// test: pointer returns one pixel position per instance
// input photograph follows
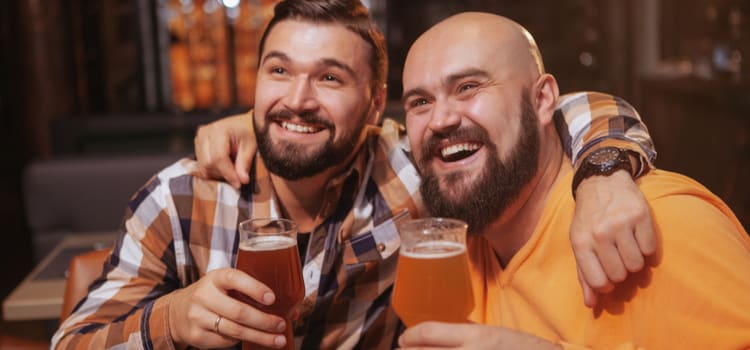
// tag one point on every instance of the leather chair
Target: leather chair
(9, 342)
(82, 271)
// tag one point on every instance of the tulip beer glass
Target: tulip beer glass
(432, 278)
(268, 252)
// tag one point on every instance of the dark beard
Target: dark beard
(482, 202)
(292, 161)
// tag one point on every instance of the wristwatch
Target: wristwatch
(603, 162)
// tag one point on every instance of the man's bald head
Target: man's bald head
(471, 32)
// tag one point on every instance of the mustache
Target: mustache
(307, 117)
(468, 133)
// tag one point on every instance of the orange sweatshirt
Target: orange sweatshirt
(694, 293)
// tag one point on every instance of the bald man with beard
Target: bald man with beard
(477, 80)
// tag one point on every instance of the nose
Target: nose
(445, 118)
(301, 96)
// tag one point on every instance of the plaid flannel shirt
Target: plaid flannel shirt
(180, 226)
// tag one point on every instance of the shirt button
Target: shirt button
(381, 247)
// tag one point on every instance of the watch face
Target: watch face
(604, 156)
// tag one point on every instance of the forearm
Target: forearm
(107, 325)
(130, 307)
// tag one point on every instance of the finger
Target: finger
(233, 279)
(645, 235)
(249, 317)
(213, 156)
(199, 142)
(229, 328)
(239, 282)
(589, 296)
(204, 335)
(611, 262)
(203, 143)
(241, 313)
(592, 270)
(436, 334)
(242, 161)
(225, 169)
(630, 253)
(221, 163)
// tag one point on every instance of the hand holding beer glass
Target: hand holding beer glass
(268, 252)
(432, 278)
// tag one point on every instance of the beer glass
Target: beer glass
(432, 277)
(268, 252)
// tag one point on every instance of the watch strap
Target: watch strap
(589, 168)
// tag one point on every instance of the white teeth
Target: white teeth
(297, 128)
(453, 149)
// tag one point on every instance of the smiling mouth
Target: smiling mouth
(458, 151)
(300, 128)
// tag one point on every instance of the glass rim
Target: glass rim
(429, 221)
(288, 226)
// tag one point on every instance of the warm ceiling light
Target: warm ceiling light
(231, 3)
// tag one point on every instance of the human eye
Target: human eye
(466, 87)
(331, 78)
(416, 105)
(418, 102)
(278, 70)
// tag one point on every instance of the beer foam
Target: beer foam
(434, 250)
(264, 243)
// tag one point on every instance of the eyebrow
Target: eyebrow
(471, 72)
(275, 54)
(331, 62)
(448, 81)
(328, 62)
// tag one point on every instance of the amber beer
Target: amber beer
(272, 258)
(432, 278)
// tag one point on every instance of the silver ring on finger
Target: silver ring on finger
(216, 325)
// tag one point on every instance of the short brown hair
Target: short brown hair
(349, 13)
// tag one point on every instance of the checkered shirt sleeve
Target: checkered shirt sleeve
(590, 120)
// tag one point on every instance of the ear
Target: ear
(378, 105)
(545, 97)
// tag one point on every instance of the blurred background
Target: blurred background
(97, 95)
